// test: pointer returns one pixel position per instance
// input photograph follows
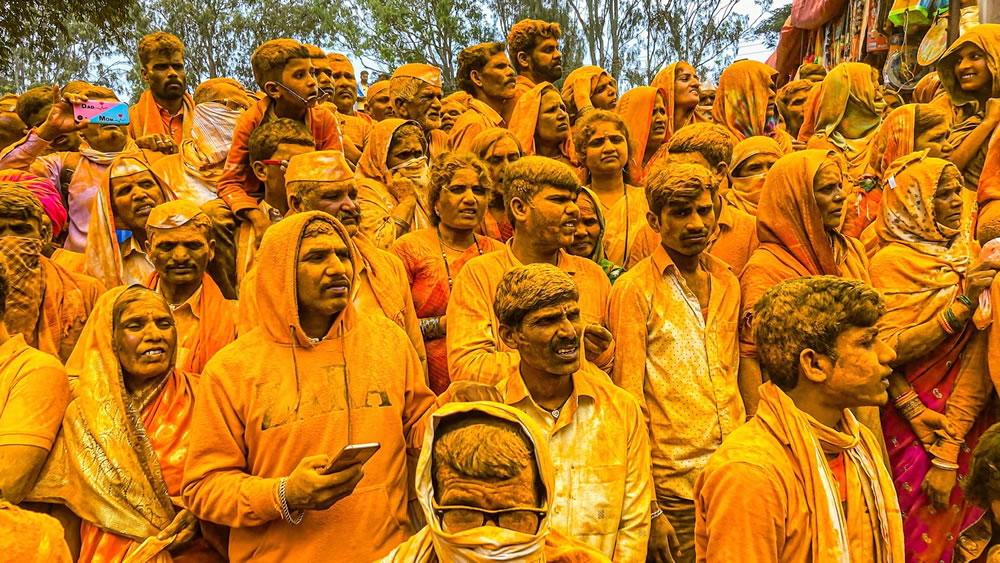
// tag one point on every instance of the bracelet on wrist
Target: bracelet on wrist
(286, 514)
(656, 514)
(904, 397)
(967, 301)
(912, 408)
(945, 325)
(952, 319)
(941, 464)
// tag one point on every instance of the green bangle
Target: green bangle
(967, 301)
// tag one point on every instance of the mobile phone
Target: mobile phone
(101, 112)
(350, 455)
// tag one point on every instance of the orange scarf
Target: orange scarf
(835, 536)
(894, 139)
(741, 102)
(636, 109)
(584, 79)
(744, 192)
(145, 118)
(665, 80)
(524, 121)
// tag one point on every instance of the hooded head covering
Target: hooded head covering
(524, 121)
(742, 98)
(847, 95)
(894, 138)
(928, 88)
(277, 296)
(786, 93)
(665, 80)
(636, 109)
(985, 36)
(102, 465)
(584, 78)
(104, 257)
(920, 273)
(371, 165)
(745, 191)
(788, 219)
(46, 192)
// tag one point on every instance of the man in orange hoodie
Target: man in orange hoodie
(180, 247)
(277, 406)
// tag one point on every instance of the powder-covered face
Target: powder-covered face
(145, 339)
(181, 254)
(828, 189)
(323, 275)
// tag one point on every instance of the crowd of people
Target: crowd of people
(517, 322)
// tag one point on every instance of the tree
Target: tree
(769, 28)
(609, 30)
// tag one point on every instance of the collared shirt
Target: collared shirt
(135, 263)
(473, 121)
(175, 123)
(188, 322)
(34, 393)
(682, 369)
(475, 351)
(600, 451)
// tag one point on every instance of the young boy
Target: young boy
(284, 71)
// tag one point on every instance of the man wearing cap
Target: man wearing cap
(379, 106)
(355, 124)
(486, 74)
(180, 247)
(323, 181)
(46, 303)
(415, 91)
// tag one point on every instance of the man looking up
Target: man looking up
(34, 392)
(484, 73)
(803, 480)
(161, 118)
(595, 430)
(415, 94)
(180, 247)
(540, 195)
(354, 124)
(46, 304)
(277, 405)
(674, 318)
(283, 70)
(533, 46)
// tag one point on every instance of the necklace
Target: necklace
(444, 256)
(556, 411)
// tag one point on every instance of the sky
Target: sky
(755, 50)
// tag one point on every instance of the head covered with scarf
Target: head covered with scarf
(742, 101)
(744, 191)
(524, 121)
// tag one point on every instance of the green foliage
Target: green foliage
(769, 28)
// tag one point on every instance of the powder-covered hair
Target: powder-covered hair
(678, 183)
(527, 34)
(158, 43)
(270, 59)
(808, 313)
(481, 447)
(528, 176)
(31, 101)
(528, 288)
(443, 171)
(264, 139)
(710, 140)
(21, 204)
(211, 89)
(474, 59)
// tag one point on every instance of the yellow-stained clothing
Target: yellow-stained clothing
(135, 263)
(475, 351)
(681, 367)
(473, 121)
(34, 392)
(600, 449)
(275, 396)
(624, 219)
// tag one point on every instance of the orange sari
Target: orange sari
(744, 192)
(636, 109)
(119, 460)
(524, 122)
(741, 102)
(665, 81)
(584, 78)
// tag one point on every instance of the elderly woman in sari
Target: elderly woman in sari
(486, 482)
(118, 461)
(588, 241)
(603, 147)
(458, 197)
(540, 123)
(931, 291)
(587, 88)
(496, 147)
(392, 182)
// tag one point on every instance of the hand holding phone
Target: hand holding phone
(101, 112)
(351, 454)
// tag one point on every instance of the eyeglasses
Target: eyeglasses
(461, 518)
(281, 163)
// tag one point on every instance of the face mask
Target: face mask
(749, 187)
(488, 543)
(415, 170)
(26, 285)
(213, 129)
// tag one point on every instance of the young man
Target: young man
(33, 107)
(674, 319)
(34, 392)
(356, 125)
(415, 93)
(803, 480)
(533, 46)
(180, 247)
(276, 407)
(193, 172)
(362, 90)
(46, 304)
(284, 71)
(162, 118)
(735, 236)
(379, 105)
(540, 200)
(484, 73)
(595, 430)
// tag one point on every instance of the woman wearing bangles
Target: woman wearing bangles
(940, 391)
(457, 200)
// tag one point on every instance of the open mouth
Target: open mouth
(143, 209)
(471, 213)
(154, 353)
(338, 288)
(568, 352)
(562, 127)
